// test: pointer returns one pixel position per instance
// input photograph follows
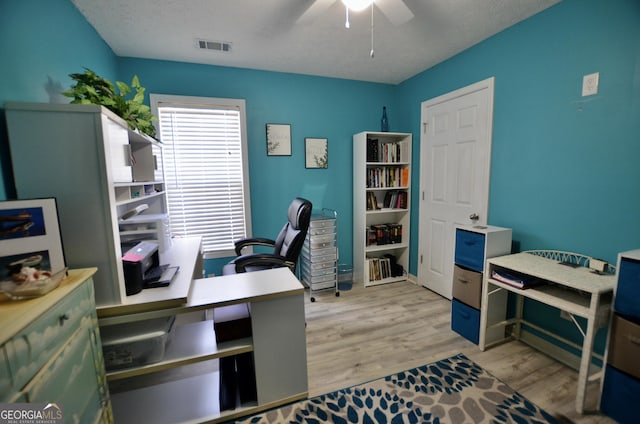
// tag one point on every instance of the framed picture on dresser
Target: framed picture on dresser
(30, 242)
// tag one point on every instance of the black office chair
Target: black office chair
(237, 373)
(286, 247)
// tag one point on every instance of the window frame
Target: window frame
(156, 100)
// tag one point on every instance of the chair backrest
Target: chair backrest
(291, 238)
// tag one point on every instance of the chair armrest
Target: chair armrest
(245, 242)
(262, 259)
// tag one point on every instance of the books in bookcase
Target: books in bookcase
(395, 199)
(387, 177)
(385, 151)
(383, 268)
(379, 268)
(384, 234)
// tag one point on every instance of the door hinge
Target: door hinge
(424, 127)
(421, 258)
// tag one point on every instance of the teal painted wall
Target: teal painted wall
(565, 170)
(41, 43)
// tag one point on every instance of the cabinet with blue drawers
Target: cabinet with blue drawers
(621, 386)
(473, 246)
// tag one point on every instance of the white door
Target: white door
(455, 155)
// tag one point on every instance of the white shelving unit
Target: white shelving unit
(97, 169)
(382, 205)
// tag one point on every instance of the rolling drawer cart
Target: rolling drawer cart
(319, 264)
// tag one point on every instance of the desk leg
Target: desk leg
(587, 353)
(279, 348)
(484, 307)
(517, 329)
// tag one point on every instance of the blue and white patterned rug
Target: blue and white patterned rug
(453, 390)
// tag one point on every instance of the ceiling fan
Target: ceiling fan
(395, 10)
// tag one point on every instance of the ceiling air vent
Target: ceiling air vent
(219, 46)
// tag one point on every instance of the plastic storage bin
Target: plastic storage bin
(345, 277)
(465, 321)
(135, 343)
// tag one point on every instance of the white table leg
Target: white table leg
(587, 353)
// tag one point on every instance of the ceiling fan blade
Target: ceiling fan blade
(395, 10)
(317, 8)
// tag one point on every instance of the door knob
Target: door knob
(474, 217)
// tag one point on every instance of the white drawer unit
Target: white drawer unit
(473, 246)
(319, 257)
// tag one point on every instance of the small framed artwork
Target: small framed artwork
(278, 140)
(31, 254)
(316, 153)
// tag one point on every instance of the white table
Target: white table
(278, 343)
(578, 291)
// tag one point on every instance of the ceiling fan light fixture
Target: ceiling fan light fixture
(357, 5)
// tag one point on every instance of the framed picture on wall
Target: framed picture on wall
(278, 140)
(316, 153)
(31, 256)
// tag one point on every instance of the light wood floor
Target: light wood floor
(367, 333)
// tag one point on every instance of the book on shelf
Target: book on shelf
(372, 201)
(395, 199)
(384, 267)
(387, 177)
(384, 234)
(515, 279)
(388, 152)
(404, 177)
(372, 150)
(379, 268)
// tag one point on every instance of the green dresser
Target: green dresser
(50, 351)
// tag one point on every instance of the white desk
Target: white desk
(577, 291)
(278, 343)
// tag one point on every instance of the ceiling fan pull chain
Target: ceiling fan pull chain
(346, 24)
(371, 54)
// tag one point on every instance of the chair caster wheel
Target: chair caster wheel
(337, 294)
(313, 299)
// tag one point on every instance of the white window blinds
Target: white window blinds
(204, 173)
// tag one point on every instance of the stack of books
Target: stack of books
(515, 279)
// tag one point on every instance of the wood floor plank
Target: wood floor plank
(368, 333)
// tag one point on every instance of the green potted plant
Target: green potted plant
(90, 88)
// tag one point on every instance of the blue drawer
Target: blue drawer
(470, 250)
(465, 321)
(628, 291)
(620, 396)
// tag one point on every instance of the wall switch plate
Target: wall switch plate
(590, 84)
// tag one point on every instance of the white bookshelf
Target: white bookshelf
(382, 193)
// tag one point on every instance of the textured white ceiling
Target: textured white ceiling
(265, 34)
